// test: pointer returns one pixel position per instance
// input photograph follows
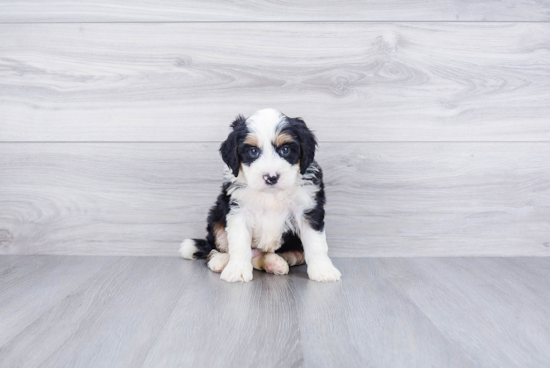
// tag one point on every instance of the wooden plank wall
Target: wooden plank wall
(433, 120)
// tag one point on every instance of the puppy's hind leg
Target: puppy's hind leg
(269, 262)
(275, 264)
(293, 257)
(258, 259)
(217, 261)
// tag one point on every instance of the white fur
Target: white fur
(268, 214)
(188, 248)
(319, 265)
(239, 267)
(237, 272)
(218, 261)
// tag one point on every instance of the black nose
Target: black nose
(271, 180)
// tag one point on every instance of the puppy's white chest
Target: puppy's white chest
(269, 216)
(268, 228)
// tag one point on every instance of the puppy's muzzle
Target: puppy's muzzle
(271, 179)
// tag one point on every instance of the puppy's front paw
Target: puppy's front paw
(323, 272)
(237, 271)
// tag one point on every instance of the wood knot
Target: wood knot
(6, 238)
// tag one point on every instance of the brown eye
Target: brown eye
(284, 151)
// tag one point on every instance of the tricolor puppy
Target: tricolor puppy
(270, 213)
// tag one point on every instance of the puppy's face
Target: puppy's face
(269, 149)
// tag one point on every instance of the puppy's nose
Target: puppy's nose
(271, 179)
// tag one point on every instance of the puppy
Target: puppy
(270, 213)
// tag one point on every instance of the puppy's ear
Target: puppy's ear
(308, 143)
(228, 149)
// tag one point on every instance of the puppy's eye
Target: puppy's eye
(284, 151)
(254, 152)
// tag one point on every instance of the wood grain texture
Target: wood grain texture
(111, 320)
(384, 199)
(31, 285)
(366, 321)
(349, 81)
(398, 312)
(249, 325)
(253, 10)
(452, 293)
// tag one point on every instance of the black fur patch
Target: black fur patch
(245, 153)
(294, 152)
(217, 213)
(229, 148)
(204, 248)
(298, 130)
(291, 242)
(316, 216)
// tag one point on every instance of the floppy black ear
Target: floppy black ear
(308, 143)
(228, 149)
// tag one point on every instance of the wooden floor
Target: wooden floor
(91, 311)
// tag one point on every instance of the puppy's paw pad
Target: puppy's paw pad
(237, 272)
(323, 272)
(275, 264)
(218, 262)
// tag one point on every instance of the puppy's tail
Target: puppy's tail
(195, 248)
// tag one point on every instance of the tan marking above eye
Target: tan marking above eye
(252, 140)
(283, 138)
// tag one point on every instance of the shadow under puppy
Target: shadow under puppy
(270, 213)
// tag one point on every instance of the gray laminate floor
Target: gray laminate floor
(70, 311)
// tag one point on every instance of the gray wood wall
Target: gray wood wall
(433, 120)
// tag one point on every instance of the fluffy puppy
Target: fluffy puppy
(270, 213)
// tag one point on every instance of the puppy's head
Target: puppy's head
(269, 148)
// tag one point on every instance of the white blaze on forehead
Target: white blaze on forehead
(263, 128)
(265, 124)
